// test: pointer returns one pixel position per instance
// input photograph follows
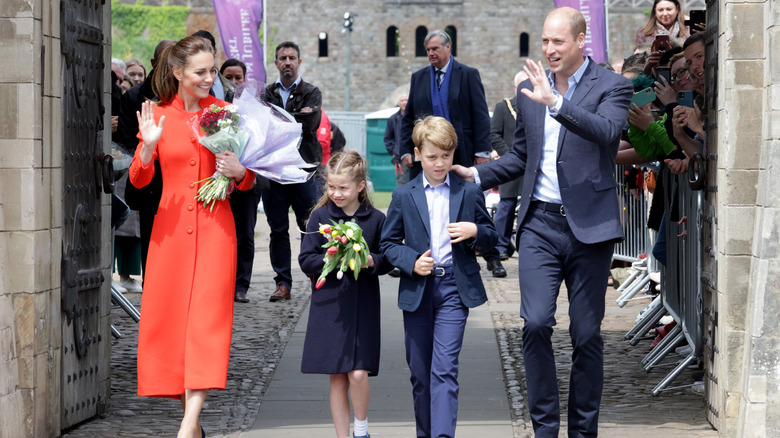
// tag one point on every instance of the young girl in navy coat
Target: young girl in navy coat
(342, 338)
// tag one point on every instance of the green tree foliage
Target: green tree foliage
(136, 29)
(272, 42)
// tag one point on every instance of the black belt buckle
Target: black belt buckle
(563, 213)
(439, 271)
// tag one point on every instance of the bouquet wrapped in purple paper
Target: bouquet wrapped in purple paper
(274, 139)
(264, 137)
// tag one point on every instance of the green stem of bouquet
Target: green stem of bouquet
(215, 189)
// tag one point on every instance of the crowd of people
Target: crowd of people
(551, 149)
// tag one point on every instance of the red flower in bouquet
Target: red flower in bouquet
(220, 126)
(215, 118)
(264, 139)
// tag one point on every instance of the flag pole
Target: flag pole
(265, 35)
(606, 30)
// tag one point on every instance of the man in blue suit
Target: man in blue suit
(452, 90)
(569, 121)
(434, 225)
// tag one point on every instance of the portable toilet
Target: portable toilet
(380, 167)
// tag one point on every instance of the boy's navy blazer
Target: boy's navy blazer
(406, 235)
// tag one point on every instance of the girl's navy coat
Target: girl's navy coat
(343, 331)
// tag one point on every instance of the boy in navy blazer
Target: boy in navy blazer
(434, 225)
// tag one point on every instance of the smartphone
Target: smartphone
(661, 43)
(663, 72)
(685, 98)
(697, 16)
(642, 98)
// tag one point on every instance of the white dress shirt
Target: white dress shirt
(438, 198)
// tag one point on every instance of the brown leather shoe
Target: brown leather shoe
(241, 297)
(282, 292)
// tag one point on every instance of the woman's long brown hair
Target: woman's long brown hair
(164, 84)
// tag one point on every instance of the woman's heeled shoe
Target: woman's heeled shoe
(202, 432)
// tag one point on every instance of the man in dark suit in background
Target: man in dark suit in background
(454, 91)
(451, 90)
(502, 131)
(569, 122)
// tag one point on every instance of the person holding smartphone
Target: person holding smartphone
(666, 18)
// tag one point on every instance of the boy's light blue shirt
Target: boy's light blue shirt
(438, 198)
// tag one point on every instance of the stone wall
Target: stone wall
(749, 260)
(30, 193)
(488, 39)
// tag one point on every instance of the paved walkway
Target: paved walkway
(296, 405)
(267, 396)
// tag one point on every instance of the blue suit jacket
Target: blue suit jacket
(406, 236)
(591, 123)
(468, 111)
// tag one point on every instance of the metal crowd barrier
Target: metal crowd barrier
(353, 125)
(118, 299)
(634, 218)
(637, 240)
(681, 293)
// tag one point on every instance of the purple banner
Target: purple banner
(596, 37)
(238, 22)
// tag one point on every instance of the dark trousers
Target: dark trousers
(548, 254)
(659, 248)
(433, 336)
(277, 201)
(244, 207)
(127, 253)
(505, 224)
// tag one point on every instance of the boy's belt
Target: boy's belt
(441, 271)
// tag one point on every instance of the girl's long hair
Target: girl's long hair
(164, 84)
(346, 163)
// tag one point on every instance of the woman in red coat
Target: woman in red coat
(187, 305)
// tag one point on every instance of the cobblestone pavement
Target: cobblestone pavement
(627, 406)
(261, 330)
